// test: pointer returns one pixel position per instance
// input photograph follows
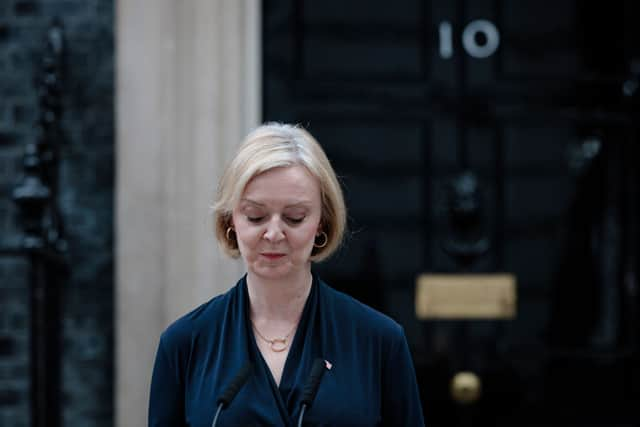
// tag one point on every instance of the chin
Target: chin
(276, 271)
(272, 271)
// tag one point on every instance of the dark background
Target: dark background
(85, 200)
(550, 137)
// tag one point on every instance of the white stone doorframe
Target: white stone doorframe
(188, 85)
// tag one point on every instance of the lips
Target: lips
(272, 255)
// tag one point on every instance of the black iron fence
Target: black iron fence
(42, 243)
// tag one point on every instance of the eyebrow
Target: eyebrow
(293, 205)
(251, 202)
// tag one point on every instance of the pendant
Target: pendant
(278, 344)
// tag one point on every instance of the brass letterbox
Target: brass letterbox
(466, 296)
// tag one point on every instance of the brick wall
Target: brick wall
(86, 202)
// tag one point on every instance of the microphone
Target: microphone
(311, 387)
(224, 400)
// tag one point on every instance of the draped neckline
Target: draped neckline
(298, 361)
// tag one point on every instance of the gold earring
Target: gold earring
(229, 230)
(324, 243)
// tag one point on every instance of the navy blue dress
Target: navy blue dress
(371, 381)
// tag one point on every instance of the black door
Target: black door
(478, 137)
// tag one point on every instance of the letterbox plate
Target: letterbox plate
(466, 296)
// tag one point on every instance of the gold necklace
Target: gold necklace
(277, 345)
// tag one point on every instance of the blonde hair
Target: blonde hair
(270, 146)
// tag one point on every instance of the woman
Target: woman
(280, 208)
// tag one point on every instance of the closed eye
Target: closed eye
(255, 219)
(295, 220)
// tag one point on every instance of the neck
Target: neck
(282, 299)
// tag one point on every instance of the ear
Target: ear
(228, 221)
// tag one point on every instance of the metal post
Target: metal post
(36, 198)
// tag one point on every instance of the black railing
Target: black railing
(42, 241)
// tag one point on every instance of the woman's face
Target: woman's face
(277, 220)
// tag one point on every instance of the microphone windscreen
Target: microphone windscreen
(311, 388)
(235, 385)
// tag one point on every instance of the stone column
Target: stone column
(187, 91)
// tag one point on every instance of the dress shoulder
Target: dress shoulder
(182, 330)
(348, 309)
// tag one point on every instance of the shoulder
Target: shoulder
(364, 318)
(182, 331)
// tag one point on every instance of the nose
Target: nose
(274, 231)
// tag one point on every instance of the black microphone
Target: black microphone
(311, 387)
(232, 389)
